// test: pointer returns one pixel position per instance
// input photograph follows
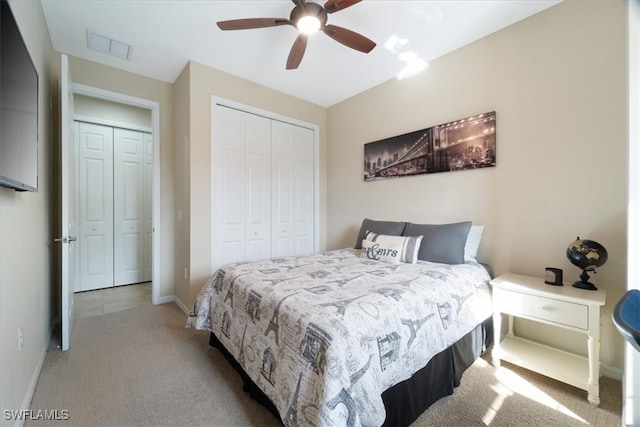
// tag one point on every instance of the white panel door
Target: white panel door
(258, 186)
(96, 206)
(128, 206)
(228, 184)
(241, 187)
(148, 207)
(68, 204)
(73, 171)
(282, 220)
(293, 189)
(303, 205)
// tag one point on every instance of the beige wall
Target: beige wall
(557, 84)
(120, 114)
(203, 83)
(27, 292)
(111, 79)
(182, 119)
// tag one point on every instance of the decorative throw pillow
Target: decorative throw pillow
(473, 242)
(384, 252)
(409, 245)
(393, 228)
(443, 243)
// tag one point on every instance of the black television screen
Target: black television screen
(18, 108)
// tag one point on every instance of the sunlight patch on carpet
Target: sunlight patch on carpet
(502, 393)
(510, 383)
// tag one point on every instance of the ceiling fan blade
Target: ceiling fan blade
(297, 52)
(250, 23)
(300, 3)
(349, 38)
(335, 5)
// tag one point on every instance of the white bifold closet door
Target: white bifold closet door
(95, 200)
(241, 186)
(148, 208)
(262, 187)
(128, 207)
(115, 206)
(292, 195)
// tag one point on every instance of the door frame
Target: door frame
(154, 106)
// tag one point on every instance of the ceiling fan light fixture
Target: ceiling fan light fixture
(308, 24)
(307, 17)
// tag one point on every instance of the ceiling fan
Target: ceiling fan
(307, 17)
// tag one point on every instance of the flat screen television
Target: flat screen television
(18, 108)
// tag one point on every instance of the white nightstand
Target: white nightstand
(566, 307)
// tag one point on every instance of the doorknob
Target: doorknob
(66, 239)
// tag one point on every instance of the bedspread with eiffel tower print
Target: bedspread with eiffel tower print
(324, 335)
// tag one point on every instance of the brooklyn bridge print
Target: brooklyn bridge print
(464, 144)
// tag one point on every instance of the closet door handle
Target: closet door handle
(66, 239)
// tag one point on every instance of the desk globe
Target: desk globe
(586, 255)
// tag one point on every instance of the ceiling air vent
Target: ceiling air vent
(109, 46)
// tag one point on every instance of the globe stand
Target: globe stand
(584, 283)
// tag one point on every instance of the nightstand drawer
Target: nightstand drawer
(551, 310)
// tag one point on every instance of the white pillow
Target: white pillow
(384, 252)
(473, 242)
(410, 245)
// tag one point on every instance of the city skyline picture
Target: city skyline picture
(469, 143)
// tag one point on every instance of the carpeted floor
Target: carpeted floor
(141, 367)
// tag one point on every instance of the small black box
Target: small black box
(553, 276)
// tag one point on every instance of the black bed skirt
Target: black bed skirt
(405, 401)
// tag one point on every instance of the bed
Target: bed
(338, 338)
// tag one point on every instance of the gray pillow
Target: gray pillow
(442, 243)
(393, 228)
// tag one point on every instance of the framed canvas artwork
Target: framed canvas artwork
(469, 143)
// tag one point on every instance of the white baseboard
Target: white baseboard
(26, 401)
(166, 300)
(176, 300)
(182, 305)
(611, 372)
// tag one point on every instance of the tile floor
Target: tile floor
(110, 300)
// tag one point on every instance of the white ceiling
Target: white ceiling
(166, 34)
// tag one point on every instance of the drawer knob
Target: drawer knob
(543, 307)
